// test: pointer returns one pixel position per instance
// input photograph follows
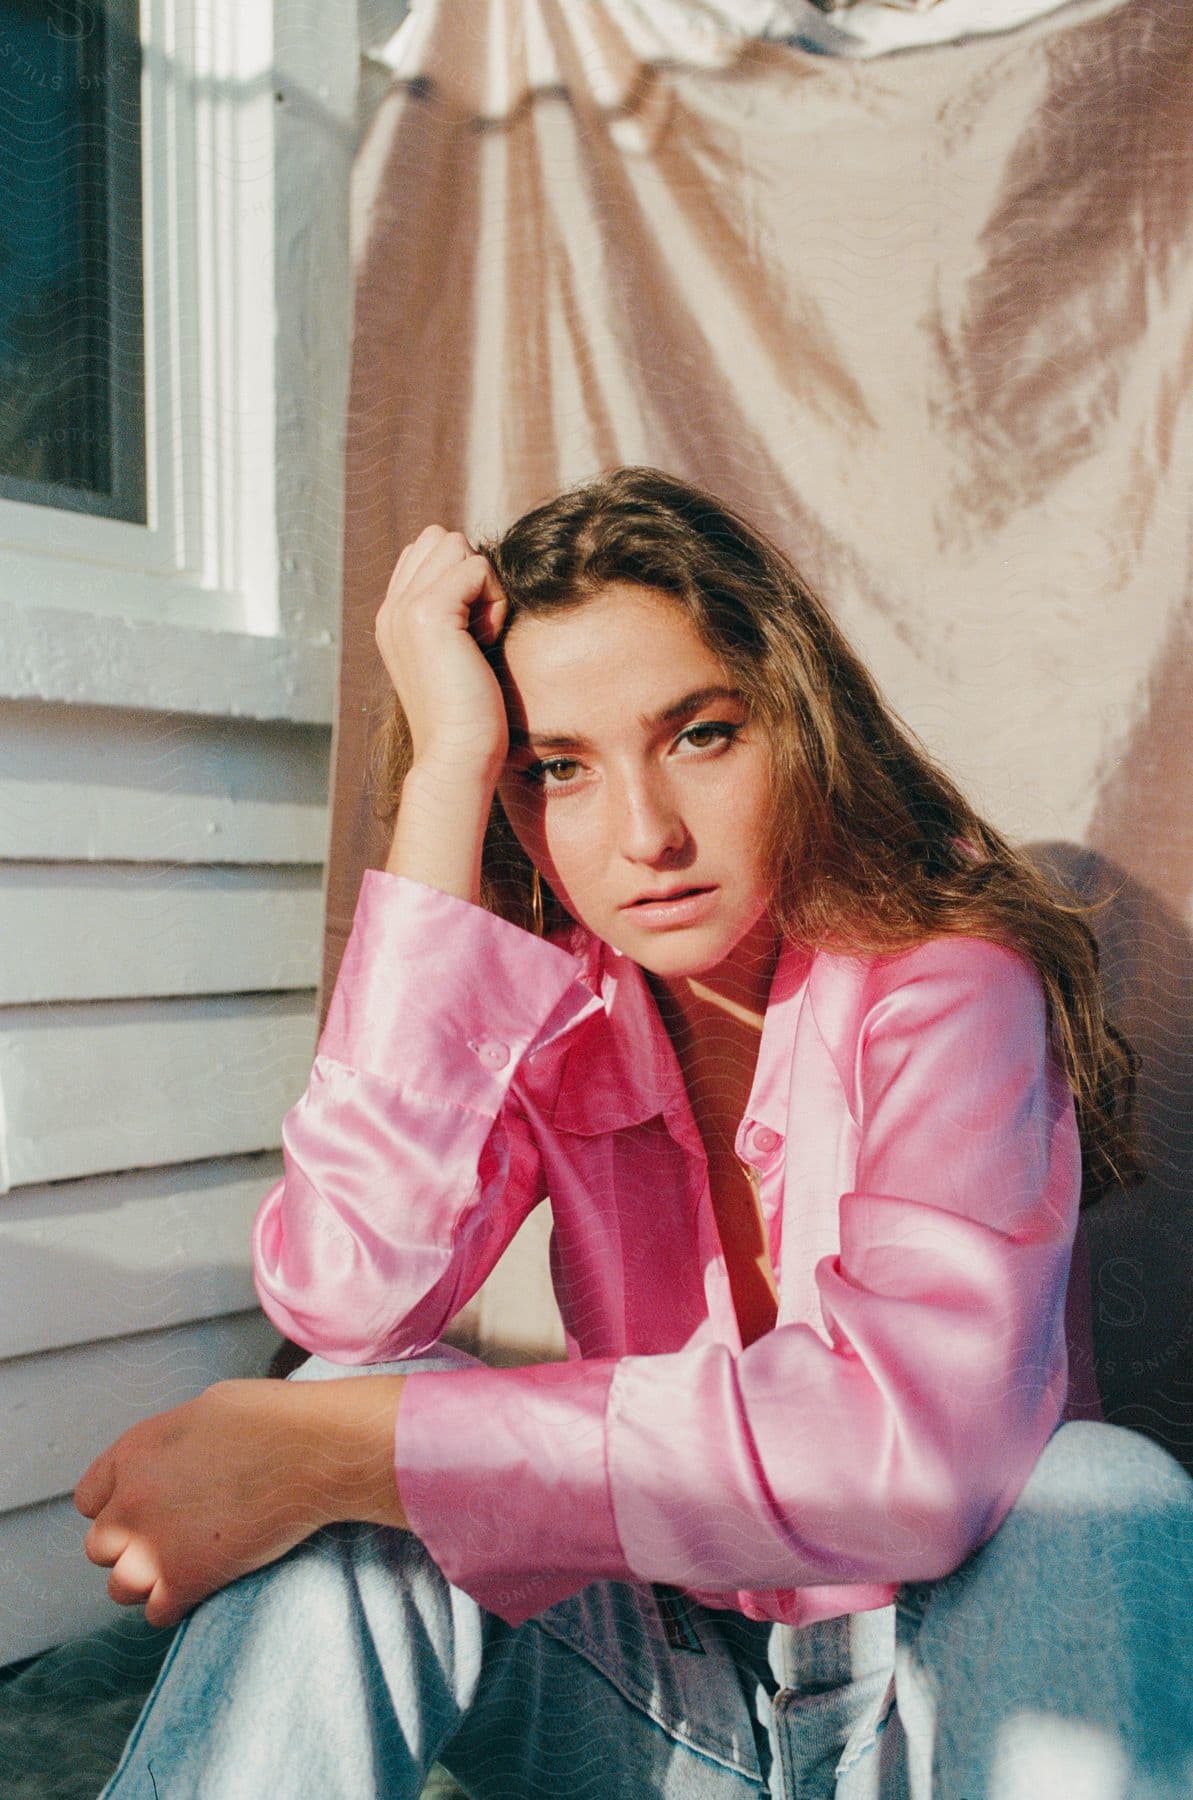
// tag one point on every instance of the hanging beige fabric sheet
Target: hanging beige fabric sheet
(925, 315)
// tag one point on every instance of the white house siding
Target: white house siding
(157, 1016)
(163, 828)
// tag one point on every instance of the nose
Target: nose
(650, 827)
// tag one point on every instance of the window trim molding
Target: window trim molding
(98, 659)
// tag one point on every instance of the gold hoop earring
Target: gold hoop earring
(536, 903)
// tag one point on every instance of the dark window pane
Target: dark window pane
(72, 415)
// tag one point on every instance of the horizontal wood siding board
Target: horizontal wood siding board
(51, 1591)
(99, 1258)
(135, 1084)
(98, 784)
(58, 1411)
(116, 931)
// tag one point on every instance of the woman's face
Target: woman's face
(633, 772)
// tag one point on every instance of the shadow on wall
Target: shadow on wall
(1142, 1284)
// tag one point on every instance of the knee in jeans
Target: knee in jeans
(1105, 1516)
(333, 1568)
(1106, 1511)
(1090, 1467)
(439, 1356)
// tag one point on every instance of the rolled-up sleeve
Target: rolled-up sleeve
(408, 1162)
(883, 1450)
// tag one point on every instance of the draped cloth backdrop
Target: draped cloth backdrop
(926, 316)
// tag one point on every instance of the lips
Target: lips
(675, 893)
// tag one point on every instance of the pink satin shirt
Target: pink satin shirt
(918, 1166)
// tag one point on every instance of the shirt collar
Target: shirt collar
(633, 1074)
(771, 1087)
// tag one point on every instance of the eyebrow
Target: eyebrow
(566, 740)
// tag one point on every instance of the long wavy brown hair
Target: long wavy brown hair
(870, 845)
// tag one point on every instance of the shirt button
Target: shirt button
(764, 1139)
(493, 1054)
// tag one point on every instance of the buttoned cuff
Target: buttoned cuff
(430, 983)
(502, 1473)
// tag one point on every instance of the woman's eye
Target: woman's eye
(559, 772)
(538, 772)
(708, 730)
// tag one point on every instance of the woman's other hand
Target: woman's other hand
(189, 1500)
(442, 604)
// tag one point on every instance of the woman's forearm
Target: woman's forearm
(440, 828)
(189, 1500)
(342, 1435)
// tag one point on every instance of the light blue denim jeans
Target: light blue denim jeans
(1055, 1664)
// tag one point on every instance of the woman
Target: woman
(811, 1065)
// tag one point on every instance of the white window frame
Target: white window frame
(99, 609)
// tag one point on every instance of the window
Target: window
(145, 490)
(72, 365)
(172, 175)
